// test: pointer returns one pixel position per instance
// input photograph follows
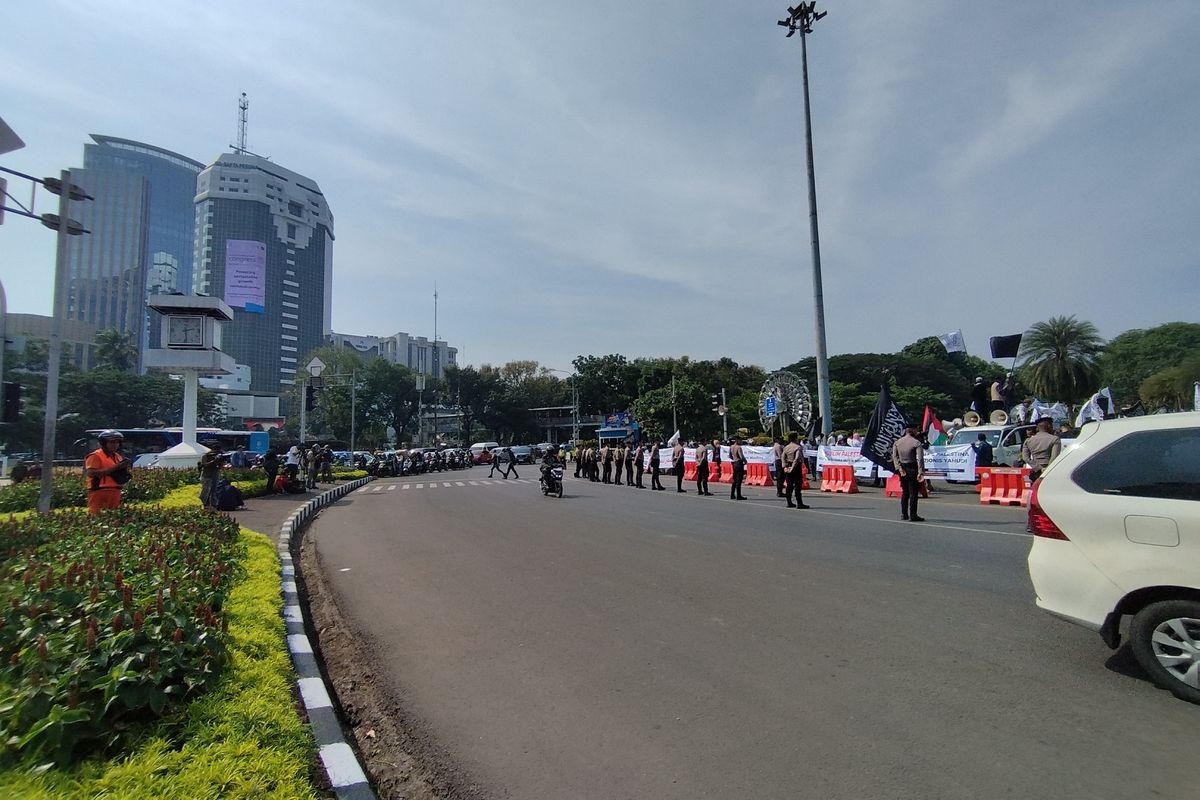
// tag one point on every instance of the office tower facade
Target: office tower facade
(415, 352)
(106, 268)
(264, 243)
(141, 224)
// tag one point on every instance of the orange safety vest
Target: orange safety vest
(98, 459)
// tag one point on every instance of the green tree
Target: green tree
(1059, 359)
(111, 399)
(1134, 356)
(116, 351)
(1172, 388)
(606, 383)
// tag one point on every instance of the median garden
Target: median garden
(142, 652)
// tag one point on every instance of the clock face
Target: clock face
(185, 332)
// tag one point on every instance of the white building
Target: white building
(415, 352)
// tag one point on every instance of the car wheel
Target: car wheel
(1165, 638)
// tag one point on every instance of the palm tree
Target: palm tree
(1059, 359)
(115, 351)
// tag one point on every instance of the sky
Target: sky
(620, 177)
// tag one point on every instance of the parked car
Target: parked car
(1116, 524)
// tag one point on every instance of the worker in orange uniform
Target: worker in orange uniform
(106, 471)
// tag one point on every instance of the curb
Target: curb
(342, 767)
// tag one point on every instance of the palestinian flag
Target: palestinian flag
(933, 428)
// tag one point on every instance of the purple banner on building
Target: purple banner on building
(246, 275)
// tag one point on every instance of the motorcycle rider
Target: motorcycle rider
(549, 461)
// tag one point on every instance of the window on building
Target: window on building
(295, 209)
(291, 230)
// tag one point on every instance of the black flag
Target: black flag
(1005, 346)
(886, 426)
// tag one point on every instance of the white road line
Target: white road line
(392, 488)
(419, 486)
(473, 483)
(447, 485)
(905, 523)
(431, 485)
(406, 486)
(459, 483)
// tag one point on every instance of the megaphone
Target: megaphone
(972, 418)
(998, 417)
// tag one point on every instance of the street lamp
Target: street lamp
(314, 367)
(801, 18)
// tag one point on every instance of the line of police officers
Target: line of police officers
(605, 464)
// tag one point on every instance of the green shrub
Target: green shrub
(243, 740)
(107, 621)
(147, 485)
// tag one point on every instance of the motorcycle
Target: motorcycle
(552, 482)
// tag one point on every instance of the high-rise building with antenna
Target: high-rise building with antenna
(264, 243)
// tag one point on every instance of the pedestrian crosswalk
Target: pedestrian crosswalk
(441, 484)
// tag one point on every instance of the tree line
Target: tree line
(1061, 359)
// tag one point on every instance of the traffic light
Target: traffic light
(716, 402)
(310, 397)
(12, 401)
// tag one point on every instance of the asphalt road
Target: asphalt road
(634, 644)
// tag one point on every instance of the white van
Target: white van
(1006, 440)
(1116, 525)
(481, 452)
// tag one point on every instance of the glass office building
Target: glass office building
(141, 225)
(106, 268)
(264, 243)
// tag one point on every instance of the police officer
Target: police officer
(908, 458)
(678, 465)
(702, 470)
(738, 458)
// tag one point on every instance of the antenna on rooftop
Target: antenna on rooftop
(243, 112)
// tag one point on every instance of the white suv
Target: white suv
(1116, 524)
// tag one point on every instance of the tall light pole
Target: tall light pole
(801, 18)
(65, 227)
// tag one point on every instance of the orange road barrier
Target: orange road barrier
(689, 471)
(726, 472)
(758, 475)
(979, 472)
(1004, 486)
(892, 489)
(714, 472)
(839, 478)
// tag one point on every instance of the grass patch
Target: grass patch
(244, 739)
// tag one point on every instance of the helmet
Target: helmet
(110, 434)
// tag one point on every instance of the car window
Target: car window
(1163, 463)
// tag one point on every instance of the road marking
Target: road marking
(431, 485)
(392, 488)
(459, 483)
(880, 519)
(473, 483)
(419, 486)
(377, 489)
(405, 486)
(447, 485)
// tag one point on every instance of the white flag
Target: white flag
(674, 438)
(953, 341)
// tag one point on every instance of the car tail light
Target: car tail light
(1040, 523)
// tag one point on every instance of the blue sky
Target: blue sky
(629, 177)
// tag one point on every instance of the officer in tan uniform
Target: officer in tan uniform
(908, 459)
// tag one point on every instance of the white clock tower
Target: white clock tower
(191, 346)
